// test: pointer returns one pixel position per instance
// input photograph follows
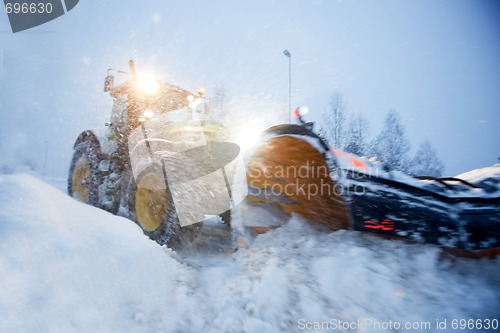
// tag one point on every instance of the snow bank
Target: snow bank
(298, 273)
(67, 267)
(488, 178)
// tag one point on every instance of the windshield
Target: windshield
(178, 115)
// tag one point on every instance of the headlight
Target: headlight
(148, 85)
(149, 114)
(247, 138)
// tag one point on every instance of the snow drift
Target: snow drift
(66, 266)
(69, 267)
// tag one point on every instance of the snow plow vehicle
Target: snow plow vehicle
(157, 162)
(163, 166)
(291, 170)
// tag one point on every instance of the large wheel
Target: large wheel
(84, 176)
(152, 207)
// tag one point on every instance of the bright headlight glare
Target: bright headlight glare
(192, 105)
(302, 110)
(248, 138)
(148, 85)
(149, 114)
(190, 98)
(197, 101)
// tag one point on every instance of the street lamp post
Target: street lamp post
(288, 54)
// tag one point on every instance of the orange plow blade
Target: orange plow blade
(289, 172)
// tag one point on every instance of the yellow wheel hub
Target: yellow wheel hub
(80, 179)
(150, 202)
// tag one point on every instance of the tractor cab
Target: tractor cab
(143, 97)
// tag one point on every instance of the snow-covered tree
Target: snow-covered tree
(356, 136)
(334, 119)
(426, 162)
(391, 145)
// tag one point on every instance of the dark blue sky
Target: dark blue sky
(435, 61)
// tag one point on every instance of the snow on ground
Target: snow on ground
(68, 267)
(488, 178)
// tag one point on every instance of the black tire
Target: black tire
(84, 176)
(151, 207)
